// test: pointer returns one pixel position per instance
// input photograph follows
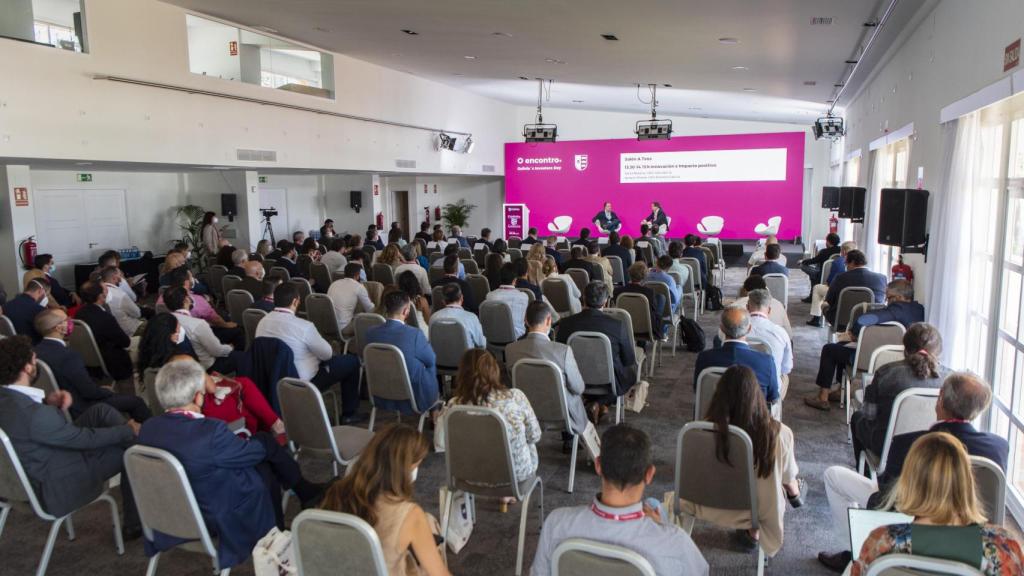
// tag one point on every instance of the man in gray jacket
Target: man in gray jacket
(537, 346)
(68, 464)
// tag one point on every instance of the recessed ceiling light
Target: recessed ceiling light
(577, 101)
(458, 74)
(505, 34)
(411, 32)
(83, 163)
(611, 37)
(851, 61)
(740, 68)
(821, 21)
(695, 108)
(554, 61)
(750, 89)
(523, 78)
(729, 40)
(666, 85)
(320, 29)
(470, 57)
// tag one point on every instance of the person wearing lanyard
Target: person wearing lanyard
(619, 515)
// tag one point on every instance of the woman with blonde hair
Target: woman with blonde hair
(535, 262)
(936, 487)
(392, 256)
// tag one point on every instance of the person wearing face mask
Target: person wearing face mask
(210, 234)
(237, 482)
(252, 282)
(69, 369)
(23, 308)
(67, 463)
(110, 338)
(127, 313)
(45, 263)
(378, 488)
(213, 355)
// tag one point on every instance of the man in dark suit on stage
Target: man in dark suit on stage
(735, 350)
(606, 220)
(656, 219)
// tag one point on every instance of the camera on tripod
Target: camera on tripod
(268, 212)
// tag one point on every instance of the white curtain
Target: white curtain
(880, 172)
(949, 250)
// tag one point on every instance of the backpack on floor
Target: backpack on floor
(693, 335)
(713, 298)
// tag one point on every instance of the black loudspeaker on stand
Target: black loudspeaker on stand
(355, 199)
(229, 206)
(903, 220)
(851, 203)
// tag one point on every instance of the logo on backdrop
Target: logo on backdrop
(581, 162)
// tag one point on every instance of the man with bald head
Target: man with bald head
(252, 282)
(735, 325)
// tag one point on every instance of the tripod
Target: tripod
(268, 230)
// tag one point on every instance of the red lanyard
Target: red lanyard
(639, 514)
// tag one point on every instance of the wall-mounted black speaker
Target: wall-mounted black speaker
(902, 217)
(355, 198)
(830, 197)
(229, 204)
(851, 203)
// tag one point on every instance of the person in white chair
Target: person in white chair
(606, 220)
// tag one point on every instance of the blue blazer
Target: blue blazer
(221, 467)
(905, 313)
(694, 252)
(976, 443)
(420, 361)
(856, 277)
(838, 267)
(732, 353)
(22, 310)
(69, 370)
(769, 268)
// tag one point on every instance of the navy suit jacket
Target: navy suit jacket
(288, 265)
(110, 338)
(420, 361)
(22, 310)
(221, 467)
(69, 370)
(694, 252)
(261, 304)
(732, 353)
(856, 277)
(977, 443)
(554, 254)
(58, 292)
(468, 299)
(623, 354)
(905, 313)
(769, 267)
(617, 250)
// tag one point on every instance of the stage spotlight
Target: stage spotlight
(653, 129)
(539, 131)
(468, 145)
(830, 127)
(445, 142)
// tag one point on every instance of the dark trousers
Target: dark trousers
(105, 463)
(280, 472)
(344, 371)
(130, 404)
(813, 271)
(227, 364)
(858, 444)
(834, 358)
(234, 336)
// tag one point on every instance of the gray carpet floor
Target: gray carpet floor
(820, 442)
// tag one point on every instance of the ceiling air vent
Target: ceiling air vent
(487, 168)
(256, 155)
(405, 163)
(821, 21)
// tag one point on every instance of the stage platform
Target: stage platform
(737, 252)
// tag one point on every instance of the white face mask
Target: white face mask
(215, 220)
(44, 301)
(415, 474)
(188, 255)
(179, 336)
(53, 268)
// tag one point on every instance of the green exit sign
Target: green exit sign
(263, 179)
(85, 177)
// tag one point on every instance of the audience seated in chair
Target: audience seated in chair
(67, 463)
(23, 308)
(453, 275)
(579, 260)
(125, 311)
(266, 301)
(420, 360)
(69, 370)
(225, 331)
(450, 249)
(777, 314)
(735, 350)
(237, 482)
(760, 253)
(584, 238)
(286, 258)
(111, 340)
(454, 309)
(812, 266)
(636, 277)
(838, 266)
(857, 274)
(693, 250)
(550, 246)
(45, 264)
(962, 398)
(252, 281)
(238, 259)
(522, 268)
(538, 346)
(213, 355)
(349, 297)
(619, 515)
(113, 258)
(937, 488)
(615, 248)
(378, 488)
(419, 317)
(334, 259)
(737, 402)
(771, 264)
(509, 294)
(314, 358)
(759, 305)
(549, 269)
(659, 273)
(531, 237)
(675, 252)
(410, 263)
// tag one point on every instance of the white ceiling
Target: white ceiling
(672, 42)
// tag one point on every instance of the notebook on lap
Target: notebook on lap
(863, 522)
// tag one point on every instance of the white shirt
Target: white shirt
(346, 294)
(777, 315)
(35, 394)
(308, 346)
(419, 271)
(334, 261)
(208, 348)
(469, 321)
(127, 289)
(763, 329)
(126, 312)
(517, 301)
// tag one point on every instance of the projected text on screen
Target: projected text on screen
(762, 164)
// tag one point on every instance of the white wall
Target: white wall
(305, 210)
(208, 50)
(338, 206)
(954, 51)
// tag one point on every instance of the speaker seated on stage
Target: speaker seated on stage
(606, 220)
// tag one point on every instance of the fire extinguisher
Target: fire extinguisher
(833, 224)
(380, 220)
(27, 250)
(426, 215)
(437, 213)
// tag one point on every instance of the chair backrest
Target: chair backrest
(542, 383)
(45, 381)
(229, 282)
(387, 376)
(82, 341)
(515, 254)
(323, 540)
(826, 269)
(990, 486)
(912, 411)
(703, 479)
(437, 298)
(164, 496)
(14, 484)
(715, 245)
(646, 251)
(848, 298)
(6, 327)
(305, 416)
(565, 254)
(320, 274)
(449, 340)
(464, 253)
(618, 270)
(666, 297)
(479, 285)
(759, 345)
(302, 264)
(874, 337)
(883, 355)
(216, 274)
(594, 350)
(861, 309)
(530, 296)
(907, 564)
(557, 293)
(478, 458)
(639, 309)
(434, 274)
(707, 381)
(778, 287)
(498, 324)
(470, 266)
(280, 272)
(694, 265)
(580, 557)
(580, 276)
(237, 301)
(623, 316)
(320, 311)
(362, 323)
(250, 320)
(383, 273)
(375, 290)
(149, 392)
(304, 289)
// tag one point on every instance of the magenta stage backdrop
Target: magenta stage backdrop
(746, 179)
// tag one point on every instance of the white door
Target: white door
(77, 225)
(276, 198)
